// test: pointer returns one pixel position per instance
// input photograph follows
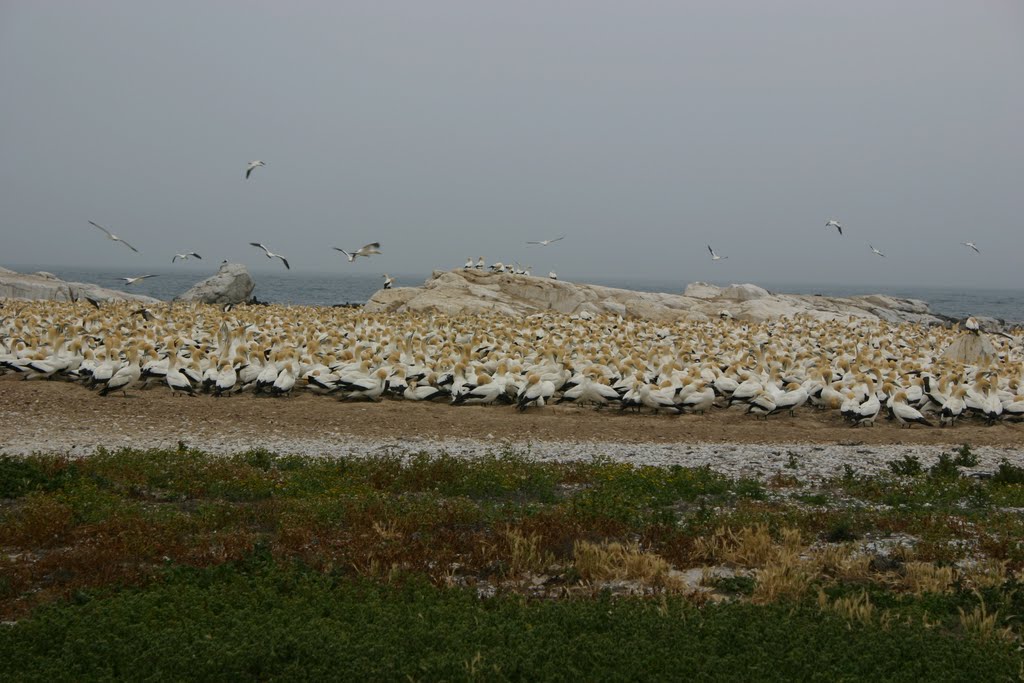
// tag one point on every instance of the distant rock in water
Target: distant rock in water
(232, 284)
(473, 291)
(43, 286)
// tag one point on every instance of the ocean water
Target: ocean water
(326, 289)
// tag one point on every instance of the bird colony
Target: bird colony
(858, 370)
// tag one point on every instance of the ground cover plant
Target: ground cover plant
(177, 563)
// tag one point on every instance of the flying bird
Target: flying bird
(113, 237)
(876, 251)
(252, 166)
(185, 257)
(714, 256)
(972, 245)
(133, 280)
(833, 223)
(388, 281)
(271, 254)
(365, 250)
(545, 243)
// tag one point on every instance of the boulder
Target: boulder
(474, 291)
(971, 348)
(743, 292)
(232, 284)
(44, 286)
(702, 290)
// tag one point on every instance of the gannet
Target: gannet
(388, 281)
(553, 275)
(469, 264)
(366, 250)
(875, 251)
(545, 243)
(480, 262)
(714, 256)
(906, 414)
(113, 237)
(833, 223)
(185, 257)
(133, 280)
(252, 166)
(972, 245)
(271, 254)
(535, 391)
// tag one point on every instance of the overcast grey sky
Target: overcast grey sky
(642, 130)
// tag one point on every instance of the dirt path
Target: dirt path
(55, 415)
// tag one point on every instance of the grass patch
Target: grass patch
(216, 624)
(119, 542)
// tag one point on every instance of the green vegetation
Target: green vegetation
(179, 564)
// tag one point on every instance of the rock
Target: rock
(232, 284)
(702, 290)
(48, 287)
(473, 291)
(971, 349)
(744, 292)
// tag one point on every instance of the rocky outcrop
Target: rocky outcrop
(231, 284)
(473, 291)
(48, 287)
(971, 349)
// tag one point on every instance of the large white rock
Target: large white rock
(44, 286)
(472, 291)
(971, 349)
(702, 290)
(744, 292)
(232, 284)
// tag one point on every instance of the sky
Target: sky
(640, 130)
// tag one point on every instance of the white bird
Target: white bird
(252, 165)
(545, 243)
(553, 275)
(972, 245)
(833, 223)
(480, 263)
(469, 263)
(905, 414)
(111, 236)
(971, 325)
(365, 250)
(271, 254)
(388, 281)
(876, 251)
(133, 280)
(185, 257)
(714, 256)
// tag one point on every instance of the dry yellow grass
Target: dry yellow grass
(924, 577)
(622, 561)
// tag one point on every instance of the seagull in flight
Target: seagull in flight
(366, 250)
(271, 254)
(545, 243)
(833, 223)
(252, 166)
(133, 280)
(714, 256)
(972, 245)
(876, 251)
(112, 236)
(185, 257)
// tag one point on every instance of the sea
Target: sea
(328, 289)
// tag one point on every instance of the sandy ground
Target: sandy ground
(57, 415)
